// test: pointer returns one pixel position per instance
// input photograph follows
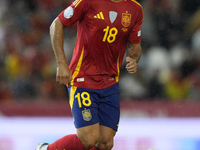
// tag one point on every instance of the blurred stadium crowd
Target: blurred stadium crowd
(169, 68)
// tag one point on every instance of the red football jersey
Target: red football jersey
(104, 28)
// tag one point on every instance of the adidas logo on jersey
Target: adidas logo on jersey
(99, 16)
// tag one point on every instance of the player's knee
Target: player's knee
(90, 141)
(106, 145)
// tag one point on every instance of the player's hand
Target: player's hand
(63, 75)
(131, 65)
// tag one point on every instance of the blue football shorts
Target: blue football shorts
(91, 106)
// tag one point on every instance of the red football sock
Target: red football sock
(69, 142)
(95, 148)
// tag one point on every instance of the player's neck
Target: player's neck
(116, 0)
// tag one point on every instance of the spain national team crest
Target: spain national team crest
(126, 19)
(87, 116)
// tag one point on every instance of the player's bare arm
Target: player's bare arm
(63, 75)
(133, 56)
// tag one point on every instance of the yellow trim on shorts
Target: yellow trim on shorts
(72, 92)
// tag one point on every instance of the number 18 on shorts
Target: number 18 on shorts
(91, 106)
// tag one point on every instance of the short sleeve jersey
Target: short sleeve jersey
(104, 28)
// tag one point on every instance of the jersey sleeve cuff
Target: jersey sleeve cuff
(62, 20)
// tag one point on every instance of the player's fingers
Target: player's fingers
(69, 79)
(128, 66)
(132, 70)
(128, 59)
(64, 79)
(131, 60)
(131, 63)
(61, 79)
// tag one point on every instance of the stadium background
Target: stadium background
(160, 103)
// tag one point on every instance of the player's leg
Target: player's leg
(89, 135)
(109, 114)
(85, 112)
(106, 138)
(68, 142)
(84, 105)
(85, 139)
